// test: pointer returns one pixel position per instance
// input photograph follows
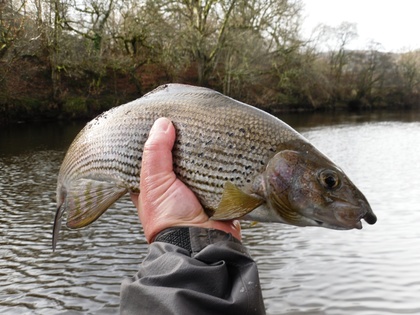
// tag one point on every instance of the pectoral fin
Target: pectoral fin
(284, 208)
(235, 203)
(87, 199)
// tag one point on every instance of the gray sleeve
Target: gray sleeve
(209, 272)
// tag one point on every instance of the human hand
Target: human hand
(164, 200)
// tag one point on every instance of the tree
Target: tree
(264, 43)
(143, 36)
(368, 70)
(88, 18)
(47, 18)
(408, 67)
(202, 25)
(336, 40)
(11, 24)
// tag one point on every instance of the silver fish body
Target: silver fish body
(230, 154)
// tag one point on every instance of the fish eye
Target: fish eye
(329, 179)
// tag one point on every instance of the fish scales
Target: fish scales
(237, 159)
(218, 139)
(219, 155)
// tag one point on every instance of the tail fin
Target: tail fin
(86, 200)
(58, 216)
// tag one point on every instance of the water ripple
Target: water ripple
(302, 270)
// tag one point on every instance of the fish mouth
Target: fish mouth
(370, 217)
(328, 222)
(345, 217)
(348, 226)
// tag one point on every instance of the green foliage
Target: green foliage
(80, 57)
(75, 107)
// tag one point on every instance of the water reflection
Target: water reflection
(303, 270)
(84, 275)
(18, 139)
(372, 271)
(348, 118)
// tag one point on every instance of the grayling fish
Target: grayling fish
(239, 161)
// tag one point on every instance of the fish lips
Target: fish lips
(346, 216)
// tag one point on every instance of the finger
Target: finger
(157, 152)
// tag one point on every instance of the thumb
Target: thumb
(159, 131)
(157, 151)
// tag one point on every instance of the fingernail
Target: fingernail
(161, 125)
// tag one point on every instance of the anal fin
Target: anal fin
(88, 199)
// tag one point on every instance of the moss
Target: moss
(25, 109)
(75, 107)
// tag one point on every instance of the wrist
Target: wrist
(232, 227)
(194, 239)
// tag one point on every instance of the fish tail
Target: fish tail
(58, 217)
(85, 201)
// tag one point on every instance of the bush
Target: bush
(75, 107)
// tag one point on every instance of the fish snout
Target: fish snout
(370, 217)
(349, 216)
(368, 214)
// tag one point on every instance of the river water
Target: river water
(314, 271)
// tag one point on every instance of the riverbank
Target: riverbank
(30, 94)
(86, 108)
(61, 68)
(81, 99)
